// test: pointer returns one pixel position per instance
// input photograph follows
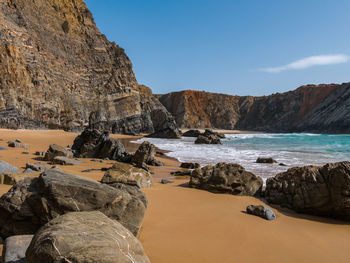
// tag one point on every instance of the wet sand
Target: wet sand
(189, 225)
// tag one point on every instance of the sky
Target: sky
(239, 47)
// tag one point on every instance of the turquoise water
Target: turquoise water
(296, 149)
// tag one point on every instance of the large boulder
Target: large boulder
(208, 139)
(57, 150)
(323, 191)
(226, 178)
(127, 174)
(92, 143)
(145, 154)
(85, 237)
(6, 168)
(15, 248)
(33, 202)
(164, 125)
(208, 132)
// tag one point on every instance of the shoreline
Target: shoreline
(184, 225)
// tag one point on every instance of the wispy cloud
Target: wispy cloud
(310, 62)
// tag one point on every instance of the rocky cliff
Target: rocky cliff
(313, 108)
(56, 68)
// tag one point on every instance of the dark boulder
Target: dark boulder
(15, 144)
(85, 237)
(208, 132)
(261, 211)
(323, 191)
(164, 124)
(208, 139)
(97, 144)
(226, 178)
(145, 154)
(191, 133)
(32, 202)
(165, 181)
(265, 160)
(181, 173)
(190, 165)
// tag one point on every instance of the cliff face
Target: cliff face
(56, 68)
(308, 108)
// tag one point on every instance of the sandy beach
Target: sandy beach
(188, 225)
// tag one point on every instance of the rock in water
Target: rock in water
(97, 144)
(127, 174)
(208, 132)
(191, 133)
(226, 178)
(57, 150)
(15, 248)
(265, 160)
(85, 237)
(6, 168)
(208, 139)
(261, 211)
(323, 191)
(32, 202)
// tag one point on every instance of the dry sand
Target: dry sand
(189, 225)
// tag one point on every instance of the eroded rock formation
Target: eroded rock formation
(313, 108)
(58, 71)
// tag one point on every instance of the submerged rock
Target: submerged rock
(32, 202)
(261, 211)
(226, 178)
(85, 237)
(265, 160)
(323, 191)
(208, 139)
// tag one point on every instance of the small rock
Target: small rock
(261, 211)
(265, 160)
(25, 152)
(208, 139)
(29, 171)
(190, 165)
(35, 167)
(165, 181)
(39, 153)
(14, 144)
(90, 170)
(282, 164)
(19, 141)
(56, 151)
(15, 248)
(3, 148)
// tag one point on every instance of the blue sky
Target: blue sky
(243, 47)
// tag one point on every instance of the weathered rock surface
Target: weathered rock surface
(6, 168)
(33, 202)
(145, 154)
(98, 144)
(208, 139)
(311, 108)
(226, 178)
(15, 248)
(85, 237)
(11, 179)
(182, 173)
(58, 71)
(323, 191)
(265, 160)
(65, 161)
(57, 150)
(208, 132)
(127, 174)
(261, 211)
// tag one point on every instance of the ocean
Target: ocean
(294, 149)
